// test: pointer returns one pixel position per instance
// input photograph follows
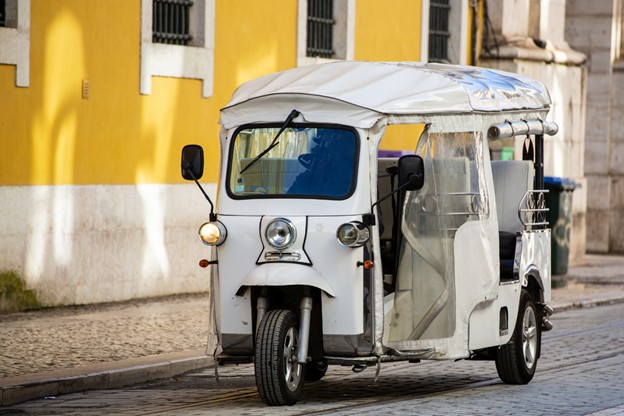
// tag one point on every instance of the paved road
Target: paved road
(580, 373)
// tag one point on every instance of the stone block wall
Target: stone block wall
(594, 28)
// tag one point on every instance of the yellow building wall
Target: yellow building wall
(50, 135)
(126, 227)
(388, 30)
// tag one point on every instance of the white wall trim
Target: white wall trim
(424, 36)
(458, 26)
(15, 42)
(195, 62)
(81, 244)
(344, 32)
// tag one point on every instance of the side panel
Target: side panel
(535, 262)
(484, 330)
(535, 259)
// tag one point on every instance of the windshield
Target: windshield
(312, 161)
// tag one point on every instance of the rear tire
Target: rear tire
(516, 361)
(279, 378)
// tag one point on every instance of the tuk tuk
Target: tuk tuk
(324, 253)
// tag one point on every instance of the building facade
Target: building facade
(99, 96)
(595, 28)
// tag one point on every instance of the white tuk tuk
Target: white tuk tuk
(326, 253)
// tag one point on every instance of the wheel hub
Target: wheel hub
(529, 337)
(292, 369)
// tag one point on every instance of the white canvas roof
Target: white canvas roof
(385, 88)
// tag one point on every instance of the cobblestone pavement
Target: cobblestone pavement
(580, 373)
(65, 338)
(44, 346)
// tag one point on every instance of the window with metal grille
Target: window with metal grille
(2, 13)
(439, 11)
(320, 39)
(171, 21)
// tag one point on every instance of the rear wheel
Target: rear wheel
(516, 362)
(279, 378)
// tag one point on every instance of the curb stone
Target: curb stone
(104, 376)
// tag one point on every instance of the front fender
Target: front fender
(285, 274)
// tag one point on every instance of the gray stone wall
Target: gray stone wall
(594, 28)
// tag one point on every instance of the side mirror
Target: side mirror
(411, 172)
(192, 162)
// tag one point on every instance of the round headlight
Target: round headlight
(281, 234)
(353, 234)
(212, 233)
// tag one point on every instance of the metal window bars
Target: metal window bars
(171, 21)
(439, 34)
(320, 38)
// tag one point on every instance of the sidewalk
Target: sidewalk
(59, 351)
(593, 281)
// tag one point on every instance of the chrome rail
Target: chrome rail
(532, 209)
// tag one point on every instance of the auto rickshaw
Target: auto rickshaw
(325, 253)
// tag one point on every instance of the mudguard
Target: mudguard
(285, 274)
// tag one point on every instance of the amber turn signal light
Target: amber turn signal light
(367, 264)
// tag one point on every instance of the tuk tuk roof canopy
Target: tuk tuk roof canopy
(394, 88)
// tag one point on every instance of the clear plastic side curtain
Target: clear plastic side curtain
(455, 193)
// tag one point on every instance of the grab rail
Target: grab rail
(531, 210)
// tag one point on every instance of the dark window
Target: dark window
(171, 21)
(439, 30)
(320, 28)
(2, 13)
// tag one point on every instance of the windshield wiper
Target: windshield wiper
(289, 119)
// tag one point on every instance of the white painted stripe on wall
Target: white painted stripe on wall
(100, 243)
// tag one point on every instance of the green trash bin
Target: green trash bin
(559, 203)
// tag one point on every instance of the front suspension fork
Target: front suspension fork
(305, 307)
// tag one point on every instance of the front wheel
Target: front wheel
(279, 378)
(516, 362)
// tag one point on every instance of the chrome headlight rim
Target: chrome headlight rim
(353, 234)
(212, 233)
(290, 236)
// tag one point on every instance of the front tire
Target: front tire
(516, 362)
(279, 378)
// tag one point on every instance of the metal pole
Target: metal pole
(539, 166)
(304, 329)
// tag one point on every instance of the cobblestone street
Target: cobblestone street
(578, 374)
